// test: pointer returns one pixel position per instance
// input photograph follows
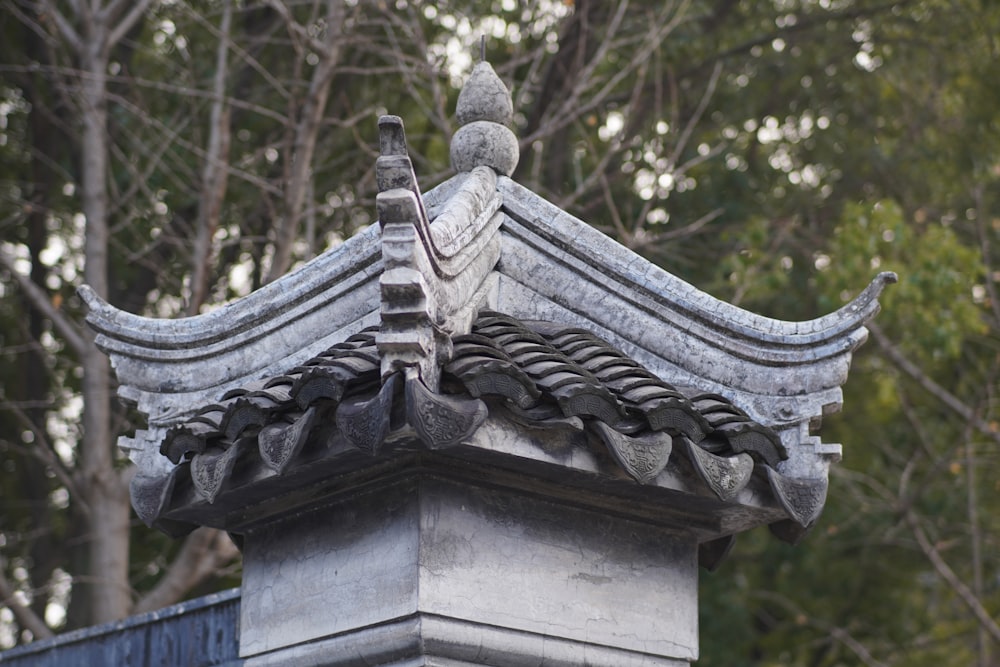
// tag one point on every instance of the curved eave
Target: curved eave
(335, 289)
(694, 310)
(254, 315)
(556, 266)
(247, 337)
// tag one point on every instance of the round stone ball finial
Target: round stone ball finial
(484, 111)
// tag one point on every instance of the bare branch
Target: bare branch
(961, 589)
(691, 228)
(40, 300)
(575, 107)
(436, 114)
(948, 399)
(204, 552)
(45, 452)
(835, 632)
(174, 136)
(25, 617)
(156, 154)
(64, 27)
(124, 25)
(623, 234)
(28, 21)
(304, 140)
(296, 28)
(166, 86)
(254, 64)
(695, 118)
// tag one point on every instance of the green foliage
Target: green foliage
(933, 302)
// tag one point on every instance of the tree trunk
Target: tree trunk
(108, 499)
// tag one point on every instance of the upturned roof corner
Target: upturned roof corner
(479, 319)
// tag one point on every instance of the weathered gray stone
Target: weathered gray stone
(521, 575)
(170, 368)
(435, 278)
(482, 143)
(484, 111)
(786, 375)
(484, 97)
(545, 503)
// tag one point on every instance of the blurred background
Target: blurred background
(176, 154)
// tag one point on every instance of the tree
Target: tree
(175, 155)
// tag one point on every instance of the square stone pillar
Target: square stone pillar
(430, 569)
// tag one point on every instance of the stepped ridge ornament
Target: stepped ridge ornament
(478, 324)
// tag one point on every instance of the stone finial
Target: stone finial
(484, 111)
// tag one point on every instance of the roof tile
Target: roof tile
(545, 374)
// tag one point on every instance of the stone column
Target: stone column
(431, 567)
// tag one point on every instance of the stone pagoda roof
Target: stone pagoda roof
(481, 330)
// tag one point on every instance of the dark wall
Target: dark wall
(196, 633)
